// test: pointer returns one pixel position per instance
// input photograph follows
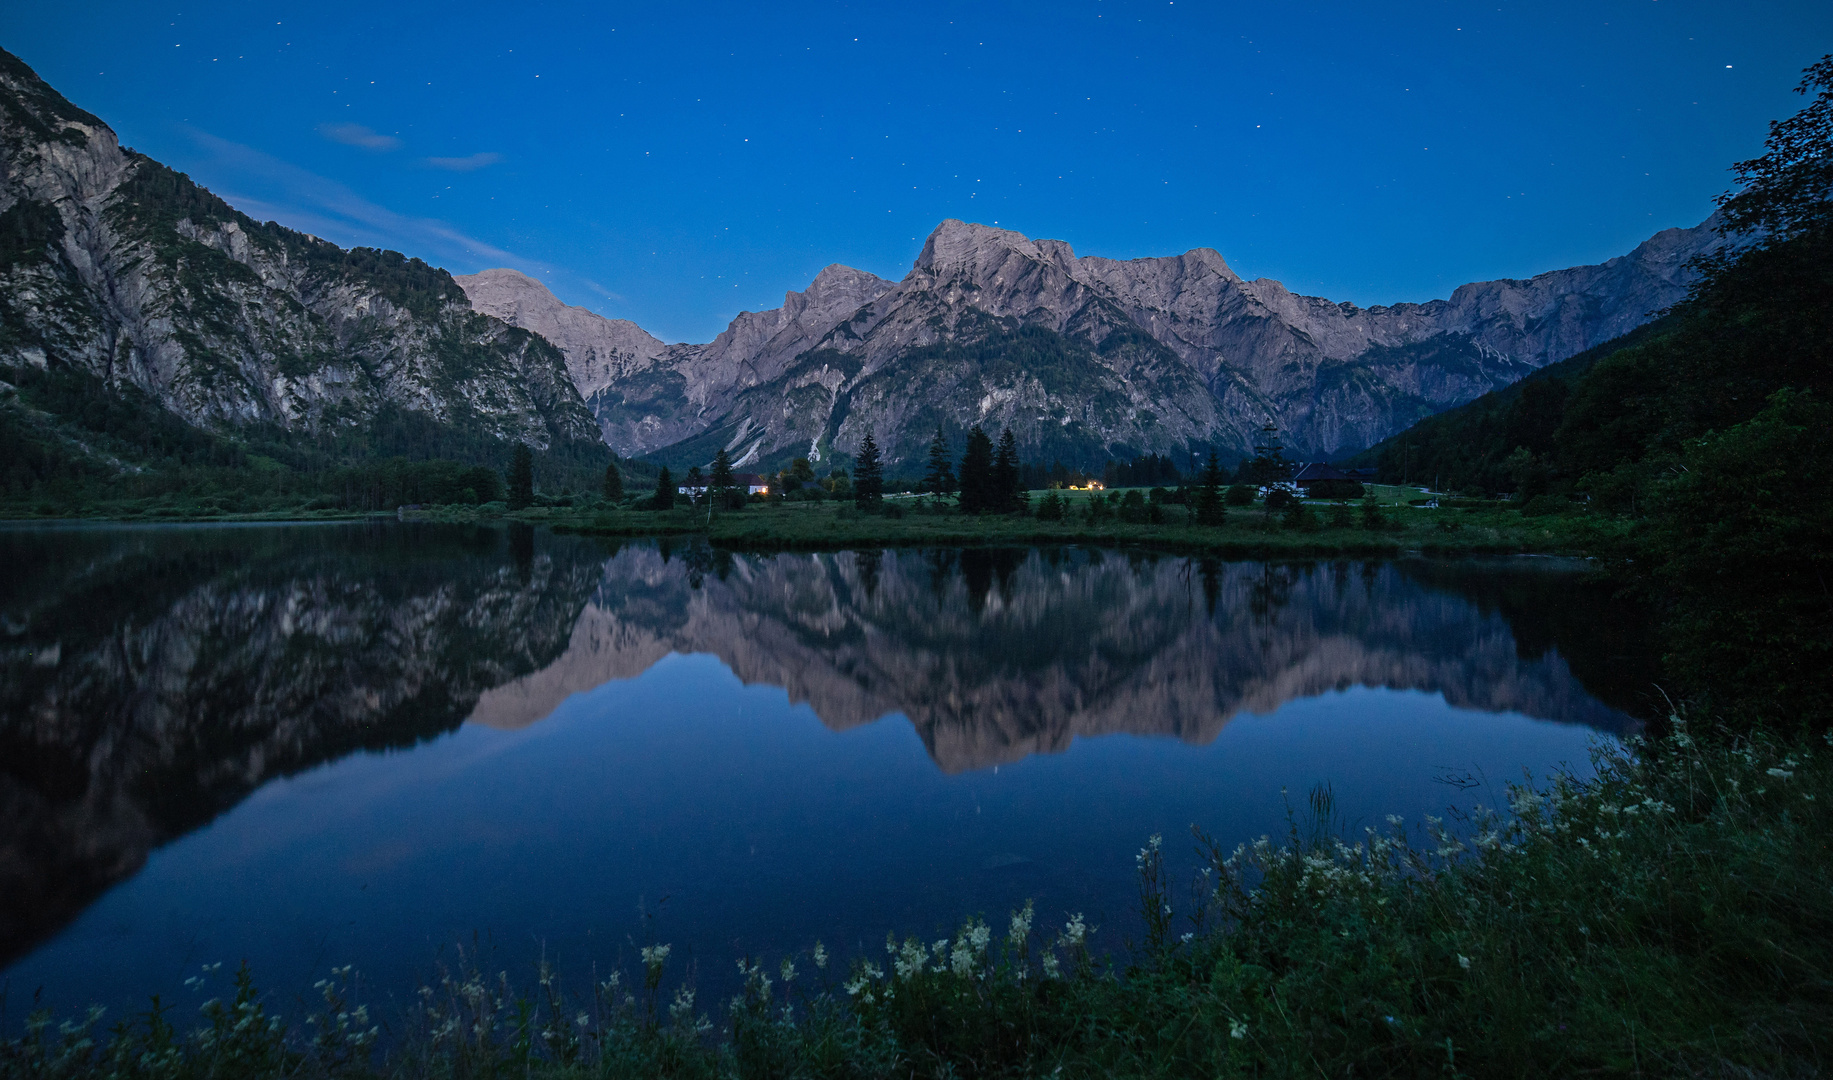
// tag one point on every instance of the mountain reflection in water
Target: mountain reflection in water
(994, 654)
(154, 677)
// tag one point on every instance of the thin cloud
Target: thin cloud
(465, 164)
(266, 188)
(358, 135)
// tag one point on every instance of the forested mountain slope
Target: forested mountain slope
(123, 281)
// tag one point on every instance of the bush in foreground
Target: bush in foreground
(1671, 916)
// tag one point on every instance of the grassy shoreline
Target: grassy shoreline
(826, 526)
(1672, 915)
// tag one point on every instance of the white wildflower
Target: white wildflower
(978, 936)
(1075, 930)
(788, 970)
(910, 960)
(654, 956)
(820, 956)
(1021, 925)
(1237, 1029)
(1463, 961)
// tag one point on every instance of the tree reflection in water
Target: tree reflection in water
(153, 678)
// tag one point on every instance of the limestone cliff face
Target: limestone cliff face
(993, 656)
(599, 351)
(1162, 354)
(114, 265)
(1088, 357)
(647, 395)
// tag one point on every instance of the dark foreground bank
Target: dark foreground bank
(1672, 916)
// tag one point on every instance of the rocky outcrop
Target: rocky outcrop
(599, 351)
(114, 265)
(646, 394)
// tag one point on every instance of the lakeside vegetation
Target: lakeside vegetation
(1671, 916)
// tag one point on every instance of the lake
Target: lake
(315, 745)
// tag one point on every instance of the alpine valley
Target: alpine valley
(124, 277)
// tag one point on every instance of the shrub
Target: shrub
(1241, 495)
(1545, 506)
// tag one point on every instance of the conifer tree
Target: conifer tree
(521, 478)
(1210, 510)
(940, 480)
(665, 490)
(614, 483)
(868, 476)
(1007, 492)
(977, 472)
(721, 483)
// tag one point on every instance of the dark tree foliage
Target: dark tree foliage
(720, 484)
(27, 229)
(939, 481)
(385, 485)
(1150, 470)
(1789, 190)
(868, 475)
(521, 478)
(1738, 544)
(664, 497)
(1712, 428)
(1050, 507)
(695, 483)
(1336, 489)
(1241, 495)
(1470, 448)
(1057, 475)
(1209, 504)
(1008, 492)
(978, 494)
(613, 489)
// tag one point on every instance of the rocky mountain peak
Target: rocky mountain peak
(971, 250)
(598, 350)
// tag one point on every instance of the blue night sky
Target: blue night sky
(675, 164)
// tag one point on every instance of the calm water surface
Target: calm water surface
(311, 746)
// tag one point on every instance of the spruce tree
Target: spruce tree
(521, 478)
(1210, 510)
(720, 484)
(940, 480)
(868, 476)
(1006, 495)
(694, 482)
(977, 472)
(614, 483)
(665, 491)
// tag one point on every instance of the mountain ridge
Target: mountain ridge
(1167, 354)
(120, 268)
